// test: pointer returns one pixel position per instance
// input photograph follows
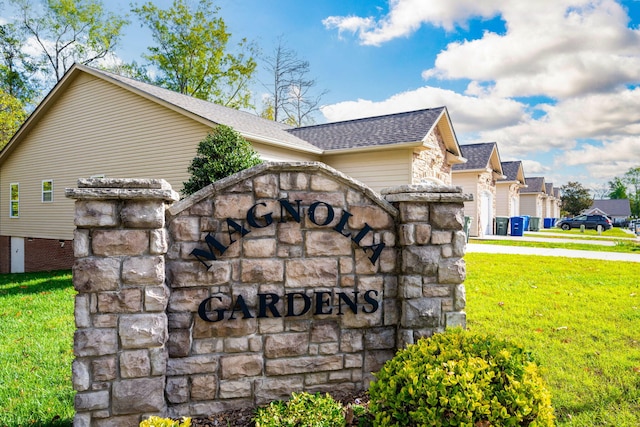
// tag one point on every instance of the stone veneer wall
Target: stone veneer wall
(141, 346)
(430, 162)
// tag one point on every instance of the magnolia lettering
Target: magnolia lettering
(315, 212)
(320, 303)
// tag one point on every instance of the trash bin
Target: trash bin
(467, 226)
(517, 225)
(553, 222)
(525, 223)
(548, 222)
(502, 225)
(534, 223)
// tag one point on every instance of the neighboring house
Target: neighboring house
(618, 210)
(557, 207)
(478, 176)
(508, 189)
(98, 124)
(553, 202)
(549, 202)
(533, 197)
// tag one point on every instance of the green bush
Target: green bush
(459, 378)
(222, 153)
(302, 410)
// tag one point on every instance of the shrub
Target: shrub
(459, 378)
(154, 421)
(302, 410)
(221, 153)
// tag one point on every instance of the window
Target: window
(47, 190)
(15, 200)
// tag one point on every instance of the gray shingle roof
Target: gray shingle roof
(478, 156)
(613, 207)
(246, 123)
(535, 184)
(510, 170)
(548, 188)
(411, 126)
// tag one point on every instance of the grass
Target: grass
(36, 320)
(578, 317)
(575, 232)
(620, 246)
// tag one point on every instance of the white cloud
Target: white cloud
(533, 168)
(406, 16)
(555, 48)
(604, 160)
(468, 113)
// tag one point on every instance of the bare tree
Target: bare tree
(600, 191)
(292, 96)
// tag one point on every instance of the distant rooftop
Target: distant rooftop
(411, 126)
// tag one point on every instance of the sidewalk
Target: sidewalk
(555, 252)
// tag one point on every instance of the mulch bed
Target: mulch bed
(243, 417)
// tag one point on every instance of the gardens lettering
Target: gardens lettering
(287, 210)
(321, 302)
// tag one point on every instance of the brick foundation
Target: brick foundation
(39, 254)
(47, 254)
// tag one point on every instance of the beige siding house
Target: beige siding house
(508, 189)
(95, 123)
(478, 176)
(533, 197)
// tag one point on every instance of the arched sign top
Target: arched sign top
(269, 167)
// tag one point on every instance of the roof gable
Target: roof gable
(513, 172)
(381, 131)
(548, 188)
(535, 184)
(613, 207)
(480, 157)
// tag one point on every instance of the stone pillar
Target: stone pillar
(119, 273)
(431, 268)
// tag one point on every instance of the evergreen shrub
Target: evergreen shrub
(460, 378)
(221, 153)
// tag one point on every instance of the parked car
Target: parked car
(590, 222)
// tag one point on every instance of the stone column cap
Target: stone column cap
(122, 189)
(425, 193)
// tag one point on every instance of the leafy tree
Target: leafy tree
(292, 98)
(617, 189)
(68, 31)
(16, 67)
(191, 54)
(575, 198)
(223, 152)
(12, 114)
(632, 179)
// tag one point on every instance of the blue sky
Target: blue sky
(554, 82)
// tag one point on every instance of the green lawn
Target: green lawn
(575, 232)
(36, 341)
(581, 319)
(624, 246)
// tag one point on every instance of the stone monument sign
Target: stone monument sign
(283, 278)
